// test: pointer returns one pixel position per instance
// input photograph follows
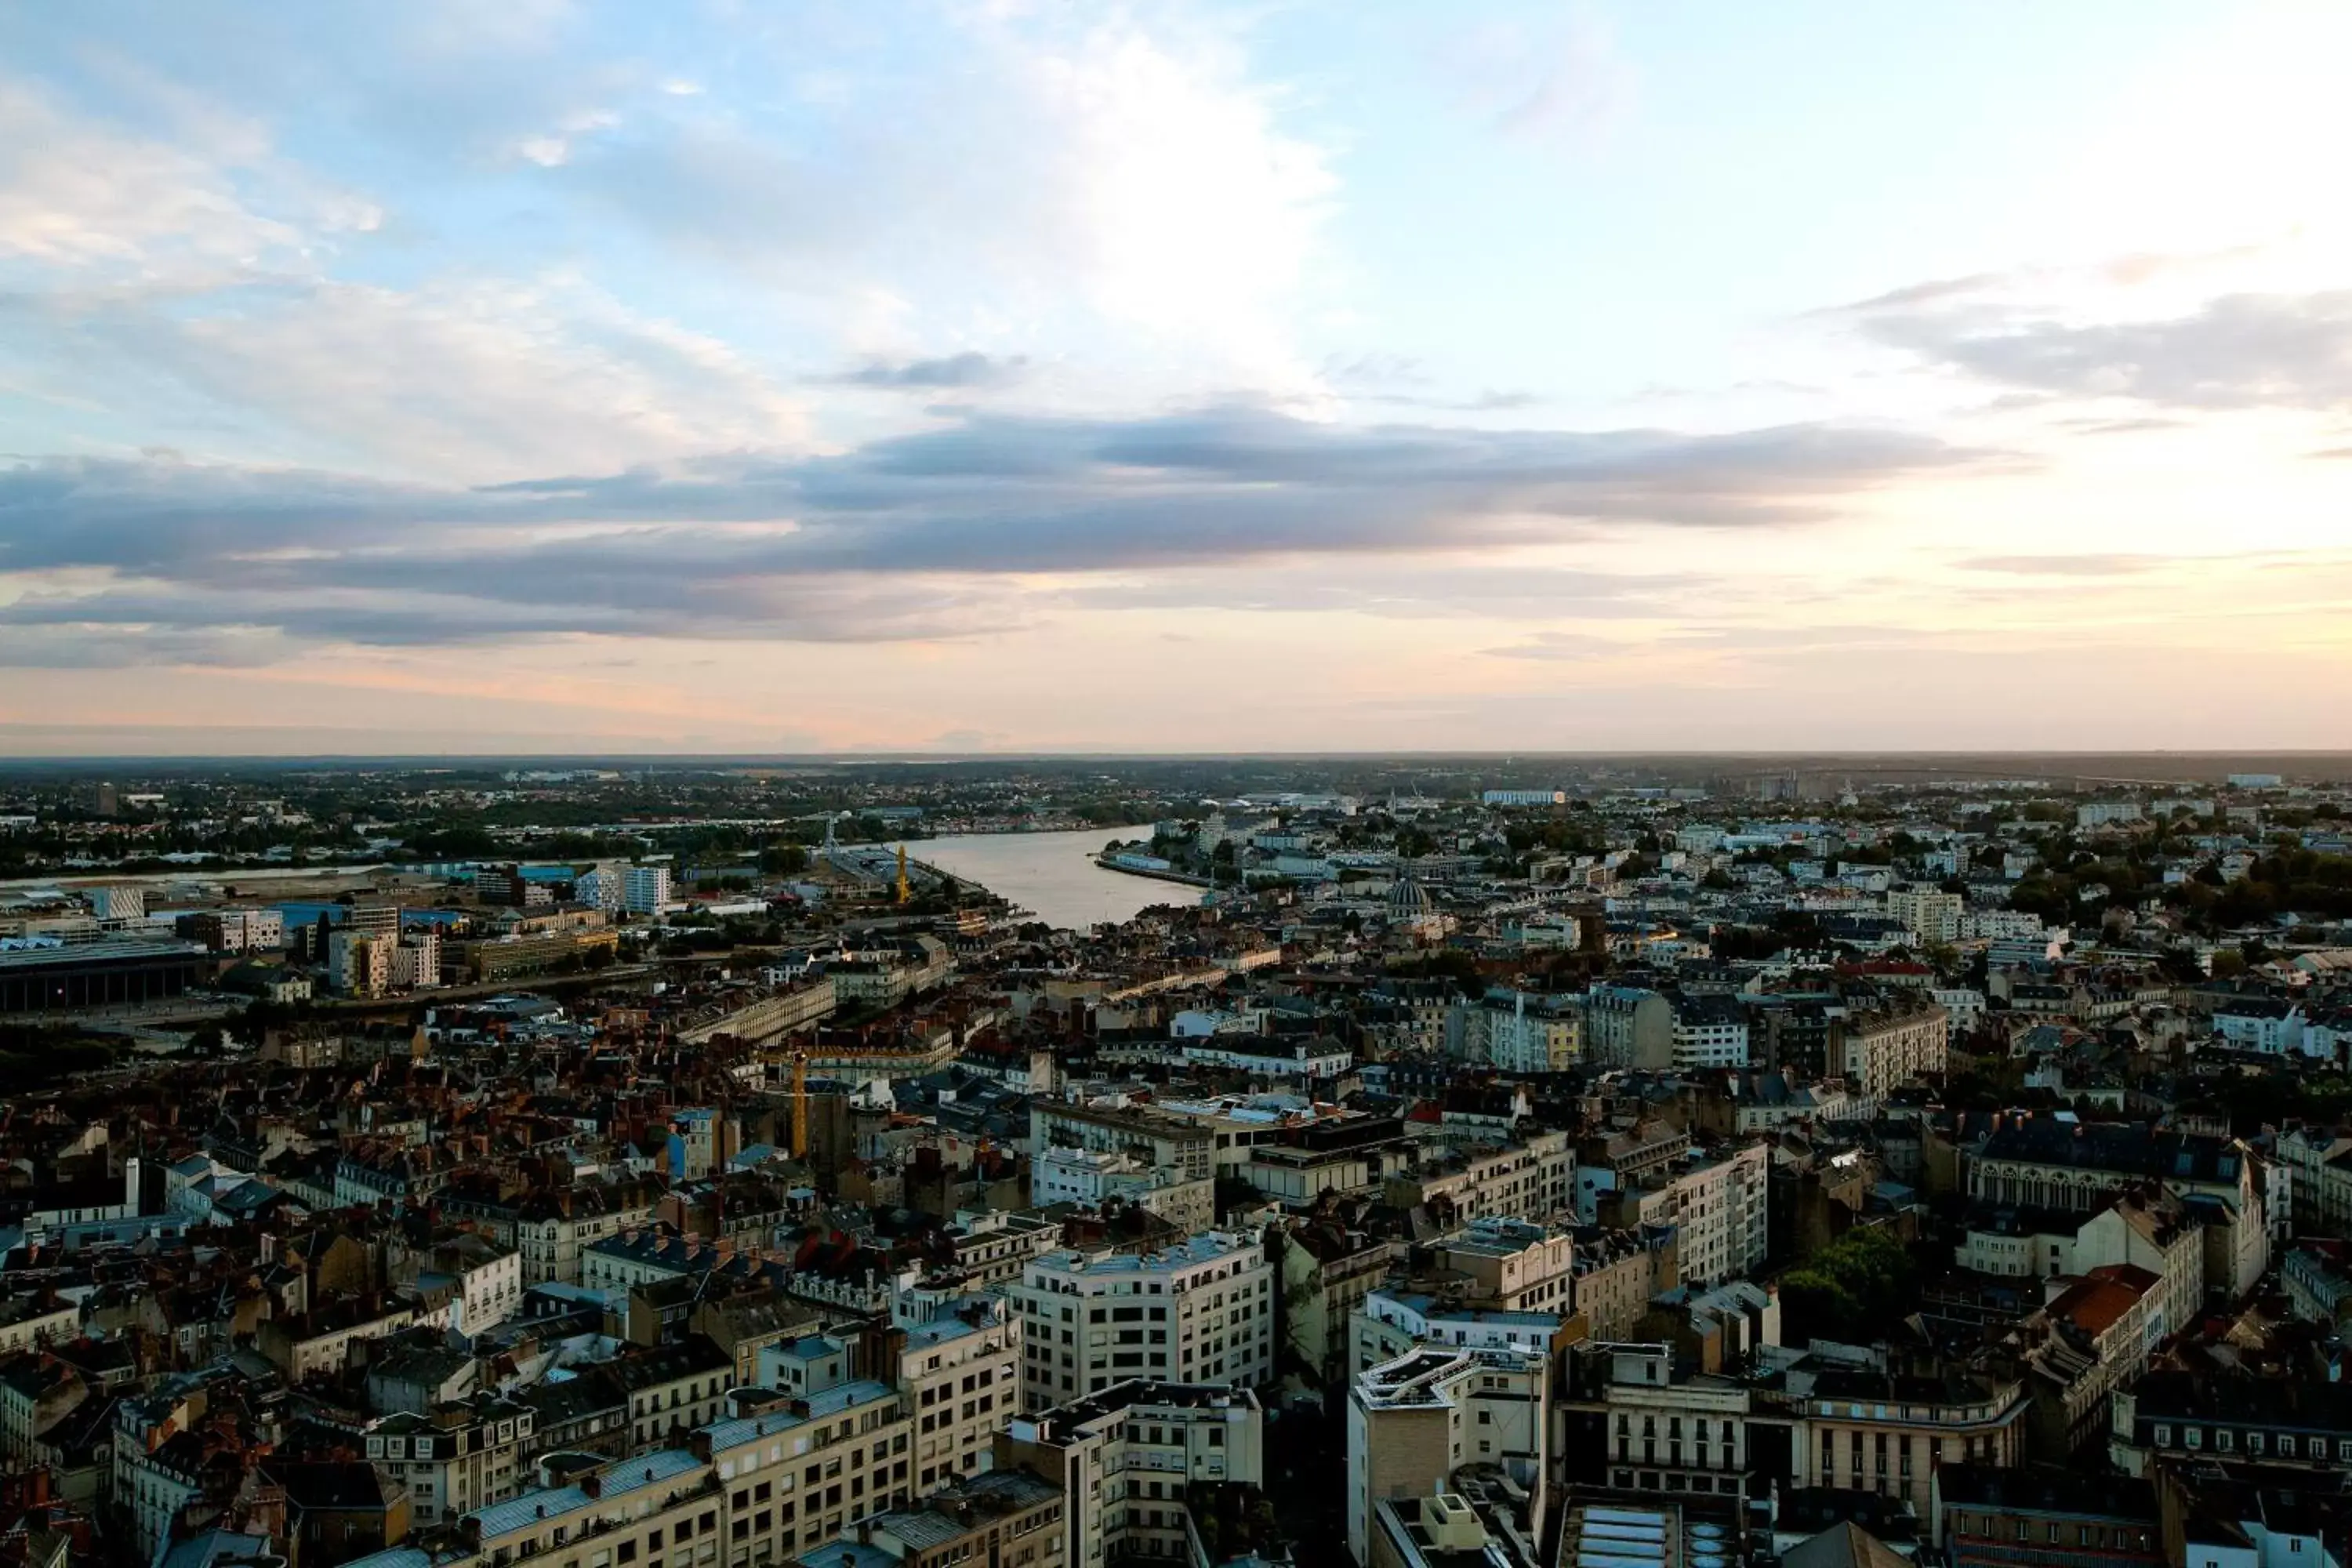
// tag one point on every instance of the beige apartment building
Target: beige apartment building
(962, 1377)
(1414, 1421)
(1884, 1049)
(1527, 1180)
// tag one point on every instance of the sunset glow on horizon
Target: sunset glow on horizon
(1022, 377)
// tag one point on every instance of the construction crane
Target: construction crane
(904, 893)
(800, 1105)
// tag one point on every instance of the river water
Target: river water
(1054, 875)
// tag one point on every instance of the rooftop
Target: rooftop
(829, 1402)
(631, 1476)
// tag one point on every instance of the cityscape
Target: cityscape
(1175, 783)
(1533, 1163)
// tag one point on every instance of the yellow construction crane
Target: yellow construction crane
(800, 1105)
(904, 893)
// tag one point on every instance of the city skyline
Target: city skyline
(1172, 379)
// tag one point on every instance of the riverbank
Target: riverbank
(1170, 875)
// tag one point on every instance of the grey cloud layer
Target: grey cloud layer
(2239, 351)
(903, 537)
(964, 371)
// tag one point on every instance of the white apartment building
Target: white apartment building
(555, 1230)
(455, 1459)
(1241, 1124)
(2318, 1164)
(2149, 1231)
(1201, 1311)
(154, 1477)
(39, 1326)
(1065, 1176)
(645, 889)
(1540, 1034)
(997, 1243)
(1125, 1457)
(489, 1285)
(1392, 1322)
(235, 930)
(1717, 1205)
(122, 903)
(1931, 915)
(1668, 1433)
(1194, 1144)
(416, 961)
(1963, 1005)
(1986, 925)
(358, 964)
(1709, 1032)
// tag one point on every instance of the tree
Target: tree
(1850, 1291)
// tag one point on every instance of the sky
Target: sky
(1280, 375)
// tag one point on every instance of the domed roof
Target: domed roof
(1408, 900)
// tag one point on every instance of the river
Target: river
(1054, 875)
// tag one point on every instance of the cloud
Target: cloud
(1487, 402)
(1127, 176)
(1375, 369)
(1933, 291)
(104, 644)
(158, 621)
(2239, 351)
(1568, 84)
(1428, 586)
(919, 535)
(551, 148)
(452, 380)
(960, 372)
(2122, 426)
(1574, 648)
(76, 192)
(2062, 565)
